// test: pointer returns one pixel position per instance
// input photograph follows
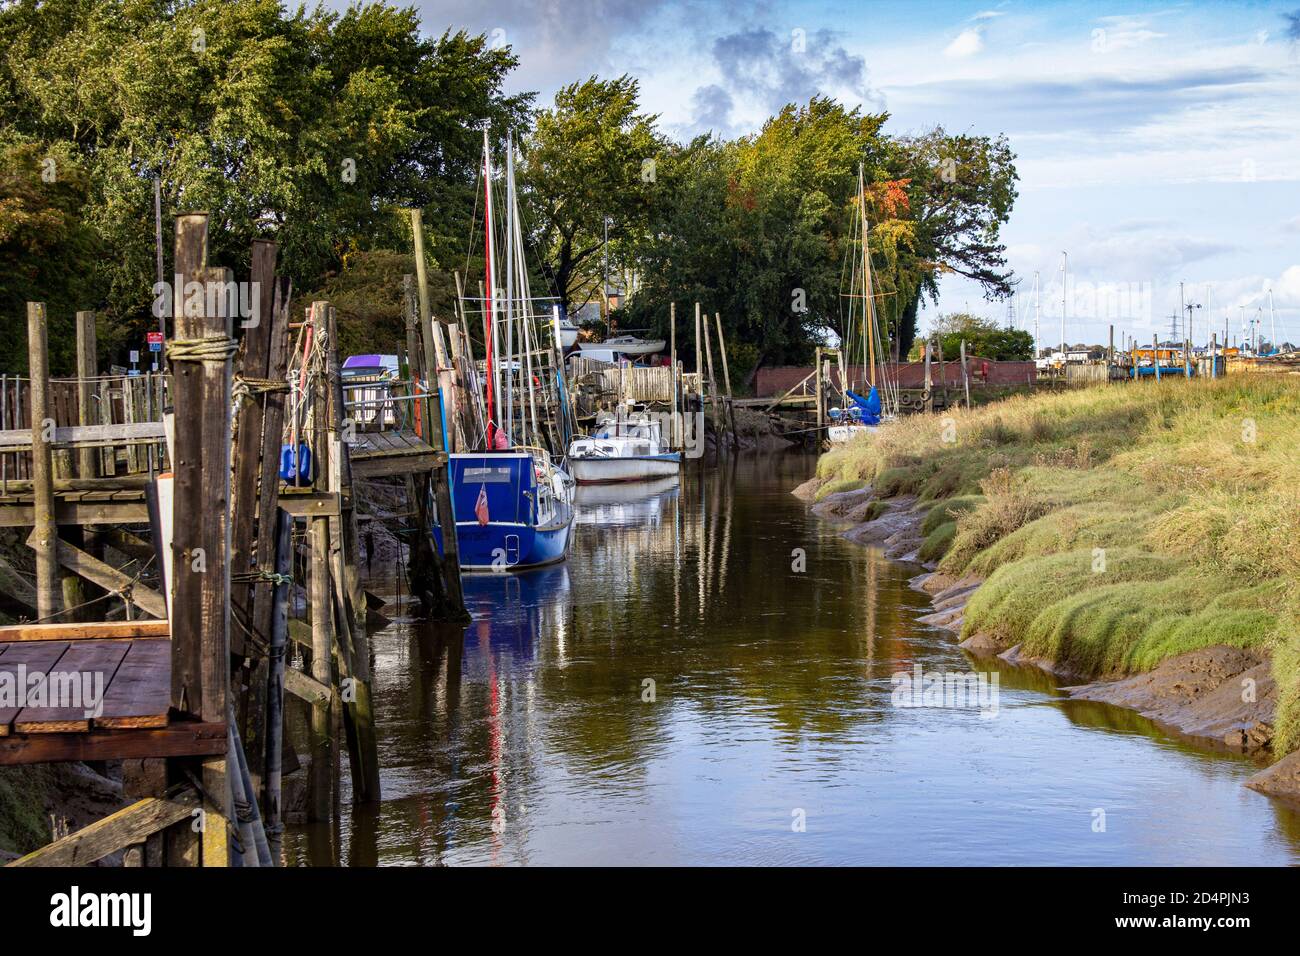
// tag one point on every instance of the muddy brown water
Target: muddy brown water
(777, 732)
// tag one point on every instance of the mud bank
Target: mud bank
(1216, 696)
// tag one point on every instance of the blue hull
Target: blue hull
(507, 547)
(502, 488)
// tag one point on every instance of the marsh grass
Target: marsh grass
(1183, 493)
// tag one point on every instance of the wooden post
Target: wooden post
(320, 796)
(726, 376)
(821, 416)
(268, 508)
(448, 565)
(45, 535)
(274, 746)
(713, 385)
(943, 375)
(86, 369)
(929, 380)
(699, 355)
(1110, 349)
(349, 620)
(1214, 351)
(201, 500)
(245, 501)
(965, 373)
(674, 439)
(1155, 355)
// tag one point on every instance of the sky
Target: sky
(1157, 144)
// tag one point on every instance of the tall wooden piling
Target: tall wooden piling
(713, 386)
(819, 391)
(363, 751)
(45, 533)
(726, 377)
(200, 359)
(268, 507)
(435, 360)
(320, 793)
(274, 739)
(674, 441)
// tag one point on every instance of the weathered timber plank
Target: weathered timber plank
(76, 512)
(33, 658)
(82, 662)
(397, 465)
(111, 579)
(306, 506)
(122, 829)
(86, 631)
(305, 687)
(186, 738)
(141, 689)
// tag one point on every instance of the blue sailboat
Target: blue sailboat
(514, 510)
(513, 504)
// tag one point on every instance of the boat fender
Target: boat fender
(302, 465)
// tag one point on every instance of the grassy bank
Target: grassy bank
(1116, 526)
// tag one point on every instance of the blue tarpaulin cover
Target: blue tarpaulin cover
(869, 406)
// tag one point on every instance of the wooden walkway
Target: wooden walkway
(128, 662)
(376, 454)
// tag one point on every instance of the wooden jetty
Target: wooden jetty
(166, 550)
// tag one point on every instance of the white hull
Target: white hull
(643, 468)
(838, 434)
(627, 347)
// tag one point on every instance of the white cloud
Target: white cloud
(967, 43)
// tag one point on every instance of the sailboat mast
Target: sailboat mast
(489, 325)
(868, 304)
(512, 306)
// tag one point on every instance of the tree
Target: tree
(982, 337)
(756, 229)
(46, 249)
(961, 191)
(306, 127)
(592, 156)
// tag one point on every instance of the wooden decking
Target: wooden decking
(375, 454)
(128, 663)
(110, 506)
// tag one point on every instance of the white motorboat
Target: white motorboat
(627, 448)
(627, 344)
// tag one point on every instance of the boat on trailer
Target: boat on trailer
(625, 448)
(627, 344)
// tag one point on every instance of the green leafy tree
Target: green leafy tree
(45, 247)
(982, 337)
(303, 126)
(961, 191)
(590, 157)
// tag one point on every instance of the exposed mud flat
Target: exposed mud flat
(1219, 695)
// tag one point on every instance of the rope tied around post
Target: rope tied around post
(210, 349)
(245, 388)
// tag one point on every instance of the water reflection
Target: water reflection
(712, 660)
